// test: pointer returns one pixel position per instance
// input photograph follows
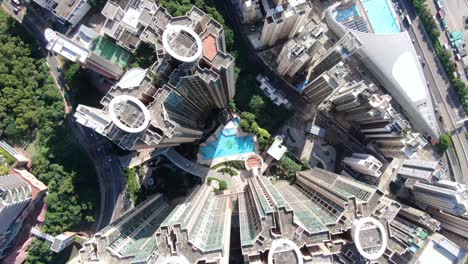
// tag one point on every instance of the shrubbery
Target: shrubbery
(221, 183)
(444, 143)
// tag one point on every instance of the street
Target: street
(445, 97)
(109, 171)
(455, 10)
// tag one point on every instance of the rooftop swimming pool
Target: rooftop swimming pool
(381, 16)
(229, 132)
(227, 145)
(347, 13)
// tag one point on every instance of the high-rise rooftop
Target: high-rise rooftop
(307, 213)
(156, 231)
(167, 104)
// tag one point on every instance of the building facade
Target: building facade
(249, 11)
(283, 20)
(15, 195)
(364, 163)
(69, 12)
(397, 69)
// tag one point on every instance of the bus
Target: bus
(408, 20)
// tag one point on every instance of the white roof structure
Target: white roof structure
(276, 149)
(132, 78)
(398, 69)
(86, 36)
(440, 250)
(65, 47)
(131, 17)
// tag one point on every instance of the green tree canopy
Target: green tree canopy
(289, 166)
(444, 143)
(4, 170)
(222, 185)
(256, 104)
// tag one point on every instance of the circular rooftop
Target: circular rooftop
(253, 161)
(182, 43)
(370, 237)
(283, 251)
(49, 35)
(129, 114)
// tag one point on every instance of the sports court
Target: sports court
(116, 55)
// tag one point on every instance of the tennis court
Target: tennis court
(116, 55)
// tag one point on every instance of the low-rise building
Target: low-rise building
(275, 96)
(78, 52)
(364, 163)
(69, 12)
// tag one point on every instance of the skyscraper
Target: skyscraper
(167, 104)
(159, 231)
(322, 86)
(301, 218)
(283, 20)
(15, 195)
(248, 10)
(448, 196)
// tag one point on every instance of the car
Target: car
(445, 46)
(16, 2)
(15, 10)
(440, 119)
(457, 56)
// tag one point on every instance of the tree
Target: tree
(39, 252)
(444, 143)
(71, 72)
(289, 166)
(222, 185)
(4, 170)
(256, 104)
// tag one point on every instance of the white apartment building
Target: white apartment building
(364, 163)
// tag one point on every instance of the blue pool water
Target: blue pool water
(236, 121)
(345, 14)
(380, 16)
(229, 132)
(227, 146)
